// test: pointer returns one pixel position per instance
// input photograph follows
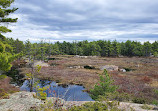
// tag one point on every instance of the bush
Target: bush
(116, 96)
(3, 77)
(147, 107)
(155, 91)
(139, 100)
(103, 87)
(3, 94)
(41, 94)
(96, 106)
(155, 102)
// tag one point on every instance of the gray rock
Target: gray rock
(20, 101)
(109, 68)
(122, 70)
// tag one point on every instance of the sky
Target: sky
(77, 20)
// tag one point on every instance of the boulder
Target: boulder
(41, 63)
(109, 68)
(122, 70)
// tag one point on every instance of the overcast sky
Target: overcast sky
(69, 20)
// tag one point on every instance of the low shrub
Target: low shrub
(147, 107)
(40, 92)
(3, 94)
(96, 106)
(139, 100)
(155, 102)
(156, 91)
(116, 96)
(3, 77)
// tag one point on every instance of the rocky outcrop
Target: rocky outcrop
(109, 68)
(20, 101)
(23, 101)
(41, 63)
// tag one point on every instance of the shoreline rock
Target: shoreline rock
(23, 101)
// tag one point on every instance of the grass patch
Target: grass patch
(3, 77)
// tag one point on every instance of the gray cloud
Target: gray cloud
(86, 20)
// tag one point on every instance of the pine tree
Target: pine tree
(104, 86)
(6, 51)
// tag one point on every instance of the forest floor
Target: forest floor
(141, 76)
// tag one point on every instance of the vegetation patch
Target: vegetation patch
(6, 88)
(139, 100)
(147, 107)
(96, 106)
(3, 77)
(103, 87)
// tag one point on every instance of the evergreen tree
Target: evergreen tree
(155, 48)
(137, 50)
(114, 48)
(28, 49)
(147, 49)
(6, 51)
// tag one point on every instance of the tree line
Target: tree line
(106, 48)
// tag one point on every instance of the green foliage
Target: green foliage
(147, 48)
(147, 107)
(94, 48)
(3, 77)
(5, 61)
(103, 87)
(43, 50)
(6, 3)
(42, 95)
(40, 92)
(47, 106)
(115, 96)
(139, 100)
(156, 91)
(155, 102)
(4, 29)
(6, 51)
(96, 106)
(3, 94)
